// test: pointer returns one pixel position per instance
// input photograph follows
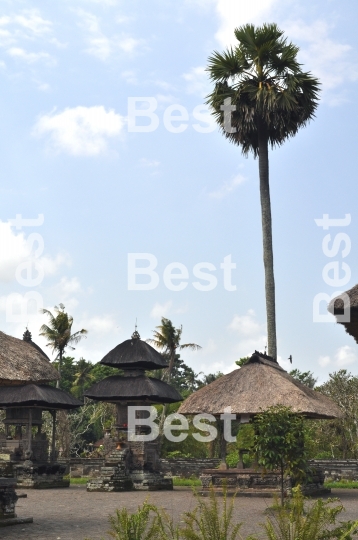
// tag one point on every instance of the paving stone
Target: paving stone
(74, 514)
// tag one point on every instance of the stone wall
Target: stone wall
(187, 467)
(183, 467)
(337, 469)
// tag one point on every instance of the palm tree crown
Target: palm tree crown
(261, 98)
(265, 83)
(58, 332)
(167, 338)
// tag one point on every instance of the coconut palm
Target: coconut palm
(83, 376)
(58, 333)
(167, 338)
(261, 98)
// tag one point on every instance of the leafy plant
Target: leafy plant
(293, 522)
(211, 521)
(141, 525)
(279, 442)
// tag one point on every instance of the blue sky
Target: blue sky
(68, 70)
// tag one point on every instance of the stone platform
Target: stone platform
(40, 475)
(256, 483)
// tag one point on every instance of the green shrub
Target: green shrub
(317, 522)
(211, 520)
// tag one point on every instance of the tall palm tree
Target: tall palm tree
(83, 376)
(261, 98)
(167, 338)
(58, 333)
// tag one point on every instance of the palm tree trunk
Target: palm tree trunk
(59, 369)
(267, 239)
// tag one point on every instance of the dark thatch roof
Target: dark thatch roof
(257, 385)
(37, 395)
(134, 353)
(23, 362)
(336, 307)
(133, 388)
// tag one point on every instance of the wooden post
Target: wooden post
(29, 433)
(53, 442)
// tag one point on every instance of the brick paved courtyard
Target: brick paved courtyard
(74, 514)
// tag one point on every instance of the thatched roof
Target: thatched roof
(133, 388)
(134, 353)
(257, 385)
(23, 362)
(37, 395)
(336, 307)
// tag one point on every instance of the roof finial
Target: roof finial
(135, 334)
(27, 335)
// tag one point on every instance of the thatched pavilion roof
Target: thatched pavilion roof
(22, 362)
(336, 307)
(37, 395)
(256, 386)
(133, 388)
(134, 353)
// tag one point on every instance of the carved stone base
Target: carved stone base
(8, 500)
(118, 475)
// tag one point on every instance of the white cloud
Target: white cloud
(29, 57)
(69, 286)
(160, 310)
(25, 27)
(152, 164)
(197, 81)
(250, 332)
(324, 361)
(16, 249)
(80, 131)
(245, 325)
(129, 44)
(332, 62)
(345, 356)
(100, 325)
(233, 13)
(100, 45)
(227, 187)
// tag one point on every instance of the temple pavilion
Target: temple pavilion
(132, 464)
(25, 393)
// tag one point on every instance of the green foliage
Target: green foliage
(242, 361)
(141, 525)
(344, 484)
(211, 520)
(293, 521)
(193, 482)
(58, 332)
(279, 441)
(340, 436)
(305, 377)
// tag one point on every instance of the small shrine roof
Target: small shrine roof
(37, 395)
(133, 388)
(134, 353)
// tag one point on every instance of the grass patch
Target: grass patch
(192, 482)
(79, 481)
(347, 484)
